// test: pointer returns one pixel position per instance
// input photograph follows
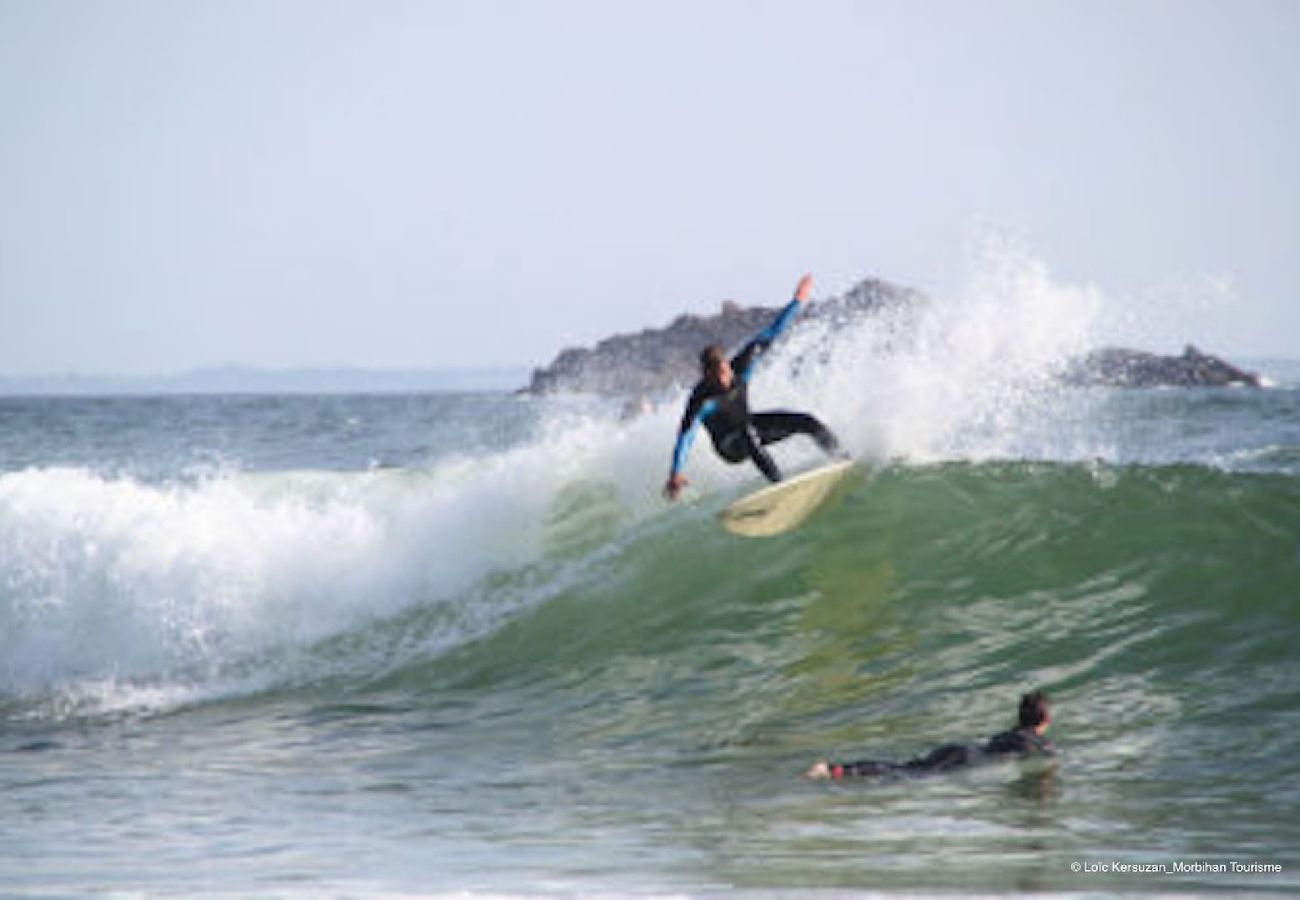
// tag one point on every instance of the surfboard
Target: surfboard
(787, 504)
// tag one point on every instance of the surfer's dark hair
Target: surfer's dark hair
(1033, 709)
(712, 356)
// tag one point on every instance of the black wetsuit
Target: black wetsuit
(1019, 742)
(737, 433)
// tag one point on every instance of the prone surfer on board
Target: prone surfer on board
(1023, 741)
(720, 402)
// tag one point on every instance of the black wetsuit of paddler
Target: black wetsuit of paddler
(1018, 742)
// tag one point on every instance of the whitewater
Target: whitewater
(459, 643)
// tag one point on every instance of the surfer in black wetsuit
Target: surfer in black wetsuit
(1025, 740)
(720, 402)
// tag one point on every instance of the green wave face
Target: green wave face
(674, 675)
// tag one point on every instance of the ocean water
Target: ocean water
(458, 643)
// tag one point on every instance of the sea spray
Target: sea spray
(115, 587)
(968, 376)
(113, 576)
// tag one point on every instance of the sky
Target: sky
(283, 184)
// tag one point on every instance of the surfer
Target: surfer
(720, 401)
(1025, 740)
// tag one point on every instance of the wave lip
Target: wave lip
(111, 578)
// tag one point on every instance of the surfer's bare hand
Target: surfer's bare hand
(804, 290)
(674, 486)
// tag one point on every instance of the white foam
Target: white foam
(118, 592)
(966, 376)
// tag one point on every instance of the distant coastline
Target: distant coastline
(250, 380)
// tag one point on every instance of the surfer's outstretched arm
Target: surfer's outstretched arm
(696, 413)
(676, 480)
(743, 363)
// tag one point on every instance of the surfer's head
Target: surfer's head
(715, 366)
(1035, 713)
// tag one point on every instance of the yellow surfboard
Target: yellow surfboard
(780, 507)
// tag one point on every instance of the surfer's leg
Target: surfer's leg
(742, 444)
(761, 457)
(867, 768)
(777, 426)
(941, 759)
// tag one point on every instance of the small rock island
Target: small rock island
(657, 359)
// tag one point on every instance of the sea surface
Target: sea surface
(460, 644)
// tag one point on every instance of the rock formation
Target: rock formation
(1117, 367)
(657, 359)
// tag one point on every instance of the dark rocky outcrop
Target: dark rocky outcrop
(1118, 367)
(659, 358)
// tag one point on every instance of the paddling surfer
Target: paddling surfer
(720, 402)
(1023, 741)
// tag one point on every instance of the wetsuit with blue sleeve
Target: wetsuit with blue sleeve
(737, 434)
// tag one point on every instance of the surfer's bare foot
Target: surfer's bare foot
(820, 769)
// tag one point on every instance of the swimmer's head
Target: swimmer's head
(1035, 714)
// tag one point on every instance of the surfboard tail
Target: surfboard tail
(784, 506)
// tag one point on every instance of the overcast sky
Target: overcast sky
(377, 184)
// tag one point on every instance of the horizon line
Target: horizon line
(237, 378)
